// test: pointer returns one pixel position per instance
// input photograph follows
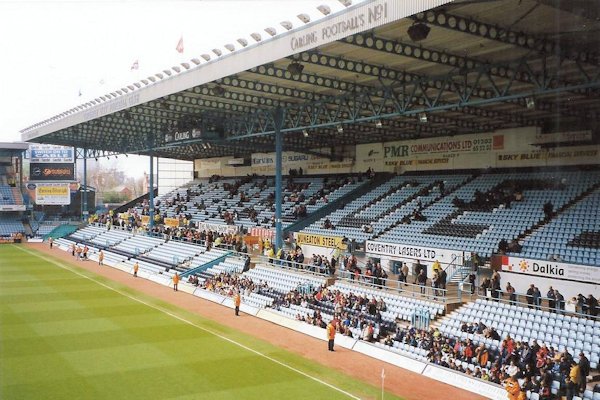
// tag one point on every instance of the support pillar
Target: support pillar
(84, 206)
(278, 117)
(151, 193)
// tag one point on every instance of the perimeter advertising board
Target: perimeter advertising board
(334, 242)
(53, 194)
(405, 251)
(51, 172)
(550, 269)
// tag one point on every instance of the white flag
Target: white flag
(179, 47)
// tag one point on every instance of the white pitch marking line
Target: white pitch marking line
(193, 324)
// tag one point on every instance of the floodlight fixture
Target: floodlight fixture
(418, 32)
(256, 36)
(287, 25)
(243, 42)
(218, 52)
(530, 103)
(271, 31)
(305, 132)
(230, 47)
(346, 3)
(304, 18)
(218, 90)
(340, 129)
(325, 10)
(206, 56)
(295, 68)
(378, 124)
(423, 118)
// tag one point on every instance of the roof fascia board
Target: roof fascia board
(355, 19)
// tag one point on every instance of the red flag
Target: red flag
(135, 65)
(179, 47)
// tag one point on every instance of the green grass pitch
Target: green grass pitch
(66, 333)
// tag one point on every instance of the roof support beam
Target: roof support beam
(336, 84)
(391, 101)
(500, 34)
(522, 70)
(385, 73)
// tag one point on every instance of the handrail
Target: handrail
(455, 267)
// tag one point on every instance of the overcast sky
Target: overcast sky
(53, 50)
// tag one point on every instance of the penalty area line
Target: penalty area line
(175, 316)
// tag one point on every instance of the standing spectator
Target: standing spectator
(592, 305)
(548, 209)
(330, 336)
(573, 381)
(237, 300)
(404, 273)
(101, 258)
(537, 297)
(176, 281)
(551, 298)
(529, 294)
(50, 241)
(472, 278)
(443, 279)
(560, 300)
(496, 286)
(584, 371)
(512, 388)
(510, 290)
(422, 280)
(136, 267)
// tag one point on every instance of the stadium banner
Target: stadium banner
(548, 269)
(172, 222)
(51, 172)
(263, 233)
(562, 137)
(333, 242)
(264, 163)
(396, 250)
(573, 155)
(53, 194)
(47, 153)
(220, 228)
(449, 152)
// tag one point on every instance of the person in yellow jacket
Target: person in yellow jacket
(237, 300)
(522, 395)
(330, 336)
(437, 267)
(136, 267)
(271, 254)
(512, 388)
(176, 281)
(573, 381)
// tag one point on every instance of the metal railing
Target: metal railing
(544, 304)
(294, 266)
(401, 288)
